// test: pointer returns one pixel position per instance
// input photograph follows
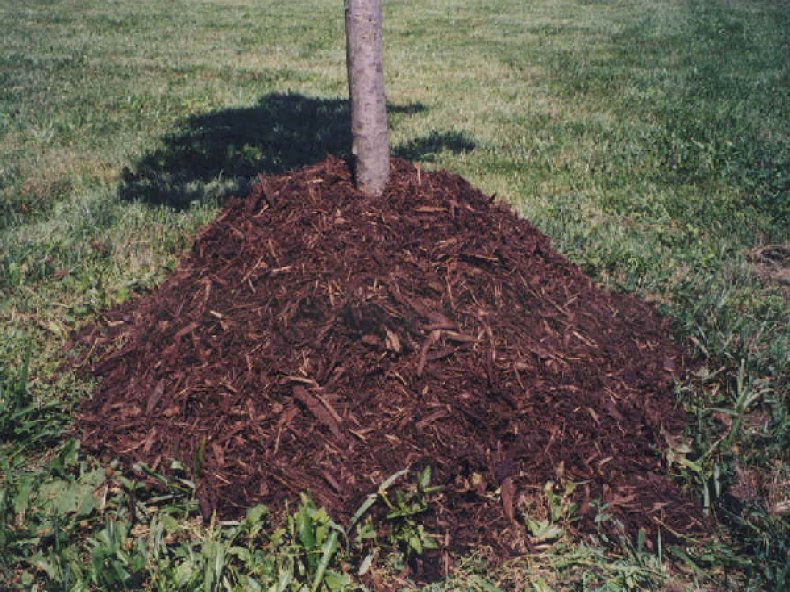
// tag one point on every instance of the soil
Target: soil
(315, 339)
(772, 264)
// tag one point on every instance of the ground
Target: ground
(649, 142)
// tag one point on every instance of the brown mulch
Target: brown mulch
(315, 339)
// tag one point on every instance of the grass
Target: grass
(650, 140)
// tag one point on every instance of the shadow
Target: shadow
(214, 155)
(427, 147)
(410, 109)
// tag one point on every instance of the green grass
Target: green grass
(650, 140)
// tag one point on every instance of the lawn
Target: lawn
(649, 140)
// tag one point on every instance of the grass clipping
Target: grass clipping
(315, 339)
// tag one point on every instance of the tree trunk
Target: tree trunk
(364, 59)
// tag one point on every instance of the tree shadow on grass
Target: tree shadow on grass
(214, 155)
(427, 147)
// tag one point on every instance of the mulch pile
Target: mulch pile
(315, 339)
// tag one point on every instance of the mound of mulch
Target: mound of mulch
(315, 339)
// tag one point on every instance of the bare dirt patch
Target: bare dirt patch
(772, 263)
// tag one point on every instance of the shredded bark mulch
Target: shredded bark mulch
(315, 339)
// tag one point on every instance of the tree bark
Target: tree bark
(364, 59)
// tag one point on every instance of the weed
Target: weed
(551, 523)
(405, 510)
